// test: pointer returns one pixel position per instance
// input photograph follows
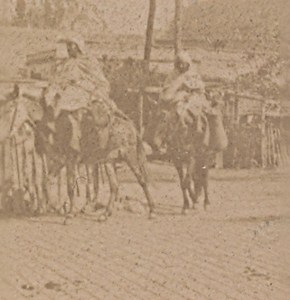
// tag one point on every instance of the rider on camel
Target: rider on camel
(184, 90)
(79, 85)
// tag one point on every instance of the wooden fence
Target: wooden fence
(254, 129)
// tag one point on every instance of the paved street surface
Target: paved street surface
(235, 250)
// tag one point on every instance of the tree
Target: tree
(178, 26)
(48, 14)
(59, 12)
(149, 32)
(20, 12)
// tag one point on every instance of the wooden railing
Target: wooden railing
(41, 57)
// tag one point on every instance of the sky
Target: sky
(130, 16)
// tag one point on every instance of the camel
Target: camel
(189, 147)
(111, 141)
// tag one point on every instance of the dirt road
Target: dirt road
(235, 250)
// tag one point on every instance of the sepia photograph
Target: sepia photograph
(144, 149)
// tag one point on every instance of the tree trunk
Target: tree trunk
(147, 55)
(178, 26)
(149, 31)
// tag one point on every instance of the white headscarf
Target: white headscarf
(75, 39)
(185, 57)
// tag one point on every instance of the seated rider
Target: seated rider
(184, 90)
(78, 79)
(79, 85)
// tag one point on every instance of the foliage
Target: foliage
(82, 15)
(241, 24)
(49, 14)
(264, 83)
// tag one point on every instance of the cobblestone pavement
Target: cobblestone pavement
(235, 250)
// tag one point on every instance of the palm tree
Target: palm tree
(149, 32)
(178, 26)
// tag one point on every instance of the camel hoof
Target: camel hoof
(70, 216)
(66, 221)
(205, 206)
(108, 212)
(40, 211)
(98, 206)
(185, 211)
(152, 216)
(103, 218)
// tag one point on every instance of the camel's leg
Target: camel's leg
(96, 182)
(88, 182)
(139, 170)
(114, 188)
(192, 192)
(183, 185)
(44, 180)
(190, 178)
(70, 179)
(32, 182)
(77, 175)
(199, 171)
(202, 175)
(197, 188)
(205, 185)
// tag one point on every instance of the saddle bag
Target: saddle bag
(218, 137)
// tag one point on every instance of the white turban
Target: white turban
(75, 39)
(186, 58)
